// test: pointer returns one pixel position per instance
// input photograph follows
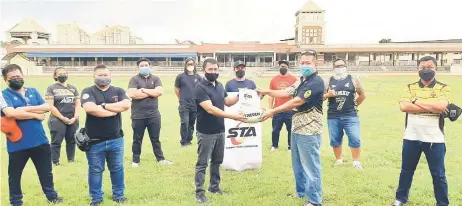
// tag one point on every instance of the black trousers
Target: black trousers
(153, 126)
(210, 147)
(188, 114)
(41, 157)
(60, 131)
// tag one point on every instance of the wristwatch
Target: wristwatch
(142, 90)
(414, 100)
(103, 105)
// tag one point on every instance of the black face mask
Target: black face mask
(62, 78)
(426, 74)
(240, 73)
(16, 84)
(211, 76)
(283, 71)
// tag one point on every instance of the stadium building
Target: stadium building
(309, 33)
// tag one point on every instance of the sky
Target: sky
(221, 21)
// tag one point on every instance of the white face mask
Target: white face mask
(190, 69)
(340, 72)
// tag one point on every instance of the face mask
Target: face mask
(426, 74)
(102, 81)
(145, 70)
(340, 72)
(62, 78)
(211, 76)
(240, 73)
(305, 71)
(190, 69)
(283, 71)
(16, 84)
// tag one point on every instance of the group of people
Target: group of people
(298, 103)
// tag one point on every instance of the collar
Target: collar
(143, 77)
(16, 92)
(309, 77)
(207, 81)
(431, 85)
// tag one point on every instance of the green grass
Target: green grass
(153, 184)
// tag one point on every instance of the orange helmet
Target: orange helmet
(11, 129)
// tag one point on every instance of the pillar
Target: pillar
(214, 55)
(72, 60)
(119, 61)
(346, 57)
(369, 59)
(96, 60)
(274, 59)
(442, 59)
(287, 56)
(395, 59)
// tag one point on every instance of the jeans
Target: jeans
(139, 126)
(352, 129)
(434, 152)
(111, 151)
(278, 121)
(41, 157)
(306, 164)
(60, 131)
(188, 113)
(210, 147)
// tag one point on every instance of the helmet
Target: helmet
(82, 140)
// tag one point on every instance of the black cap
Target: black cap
(453, 112)
(238, 63)
(283, 62)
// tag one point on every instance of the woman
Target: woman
(64, 102)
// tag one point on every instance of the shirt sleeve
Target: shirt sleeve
(122, 94)
(254, 86)
(227, 86)
(132, 83)
(87, 96)
(406, 95)
(158, 82)
(445, 93)
(3, 102)
(178, 81)
(39, 97)
(76, 92)
(200, 95)
(49, 93)
(292, 88)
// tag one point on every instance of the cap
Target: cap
(11, 129)
(453, 112)
(238, 63)
(283, 62)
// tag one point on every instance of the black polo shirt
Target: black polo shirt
(186, 83)
(103, 128)
(207, 123)
(147, 107)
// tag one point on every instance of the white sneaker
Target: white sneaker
(134, 164)
(274, 148)
(357, 165)
(338, 162)
(165, 162)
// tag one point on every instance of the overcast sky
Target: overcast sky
(163, 21)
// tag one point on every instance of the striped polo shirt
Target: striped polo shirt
(427, 126)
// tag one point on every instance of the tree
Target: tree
(385, 41)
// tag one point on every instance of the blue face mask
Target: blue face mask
(305, 71)
(145, 70)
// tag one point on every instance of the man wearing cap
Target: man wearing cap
(184, 90)
(145, 89)
(425, 103)
(28, 108)
(239, 82)
(281, 82)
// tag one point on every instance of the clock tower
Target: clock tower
(309, 27)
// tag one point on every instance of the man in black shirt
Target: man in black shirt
(211, 99)
(103, 104)
(145, 89)
(184, 89)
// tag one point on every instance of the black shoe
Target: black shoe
(56, 164)
(57, 200)
(121, 200)
(217, 191)
(201, 199)
(17, 204)
(70, 161)
(398, 203)
(96, 203)
(189, 143)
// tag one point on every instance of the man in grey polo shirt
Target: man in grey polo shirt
(144, 89)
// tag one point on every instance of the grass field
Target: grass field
(152, 184)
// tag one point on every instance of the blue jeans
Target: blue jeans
(352, 129)
(434, 152)
(111, 151)
(306, 163)
(278, 121)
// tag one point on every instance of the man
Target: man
(281, 82)
(425, 104)
(145, 89)
(184, 88)
(344, 94)
(239, 82)
(104, 104)
(306, 127)
(211, 99)
(27, 107)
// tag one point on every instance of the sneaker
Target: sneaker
(165, 162)
(56, 164)
(218, 192)
(338, 162)
(134, 164)
(17, 204)
(57, 200)
(397, 203)
(357, 165)
(201, 199)
(70, 161)
(121, 200)
(288, 150)
(274, 148)
(96, 203)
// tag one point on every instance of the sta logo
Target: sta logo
(239, 135)
(67, 100)
(247, 96)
